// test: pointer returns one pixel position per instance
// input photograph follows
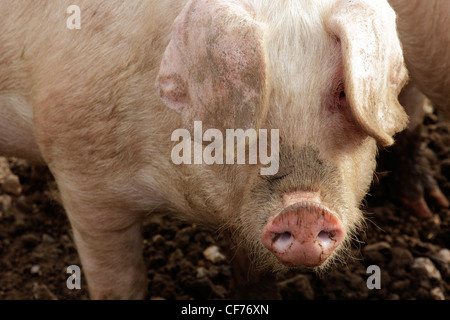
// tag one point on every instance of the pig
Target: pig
(99, 104)
(423, 31)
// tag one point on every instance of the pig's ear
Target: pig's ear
(214, 69)
(373, 65)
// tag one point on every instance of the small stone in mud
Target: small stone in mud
(213, 254)
(12, 185)
(35, 269)
(424, 266)
(437, 294)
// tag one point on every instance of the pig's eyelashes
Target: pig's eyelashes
(276, 178)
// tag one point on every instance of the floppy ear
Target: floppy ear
(373, 65)
(214, 69)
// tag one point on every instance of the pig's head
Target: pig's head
(327, 75)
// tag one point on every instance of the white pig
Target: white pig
(423, 27)
(99, 105)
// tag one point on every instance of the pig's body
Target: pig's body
(423, 29)
(85, 102)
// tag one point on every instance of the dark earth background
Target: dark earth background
(413, 254)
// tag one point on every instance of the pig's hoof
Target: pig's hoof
(437, 195)
(420, 208)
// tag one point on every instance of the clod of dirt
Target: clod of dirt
(11, 185)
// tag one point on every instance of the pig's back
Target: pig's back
(16, 115)
(61, 79)
(424, 32)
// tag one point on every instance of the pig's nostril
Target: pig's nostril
(325, 236)
(282, 241)
(282, 237)
(285, 236)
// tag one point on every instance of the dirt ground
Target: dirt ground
(412, 254)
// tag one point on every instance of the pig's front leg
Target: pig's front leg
(109, 243)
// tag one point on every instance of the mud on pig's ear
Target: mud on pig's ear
(214, 69)
(373, 65)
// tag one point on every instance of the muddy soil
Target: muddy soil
(186, 262)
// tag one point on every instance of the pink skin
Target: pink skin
(304, 233)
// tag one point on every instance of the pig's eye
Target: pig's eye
(340, 92)
(342, 100)
(337, 102)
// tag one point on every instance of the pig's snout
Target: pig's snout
(303, 234)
